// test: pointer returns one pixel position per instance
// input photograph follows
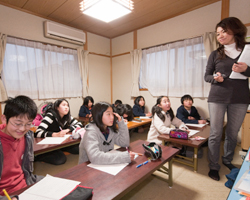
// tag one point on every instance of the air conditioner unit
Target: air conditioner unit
(64, 33)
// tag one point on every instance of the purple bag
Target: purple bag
(178, 133)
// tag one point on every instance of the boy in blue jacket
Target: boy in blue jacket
(187, 112)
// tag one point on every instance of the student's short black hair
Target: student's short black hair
(118, 101)
(87, 99)
(20, 106)
(186, 97)
(97, 113)
(137, 99)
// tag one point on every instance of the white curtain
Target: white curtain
(175, 69)
(3, 39)
(136, 56)
(40, 71)
(84, 69)
(210, 42)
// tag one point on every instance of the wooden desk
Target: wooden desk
(44, 148)
(132, 124)
(107, 186)
(192, 162)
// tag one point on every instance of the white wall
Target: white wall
(27, 26)
(187, 25)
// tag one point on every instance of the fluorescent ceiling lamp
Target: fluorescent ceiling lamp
(106, 10)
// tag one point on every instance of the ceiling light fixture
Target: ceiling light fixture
(106, 10)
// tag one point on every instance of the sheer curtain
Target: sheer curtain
(175, 69)
(84, 69)
(40, 71)
(136, 56)
(3, 39)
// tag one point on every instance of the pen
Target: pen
(127, 149)
(60, 128)
(6, 194)
(144, 163)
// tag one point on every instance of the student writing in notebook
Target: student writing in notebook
(101, 135)
(85, 110)
(187, 112)
(163, 118)
(56, 123)
(226, 95)
(16, 145)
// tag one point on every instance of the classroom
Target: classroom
(110, 76)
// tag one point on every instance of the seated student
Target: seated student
(139, 107)
(117, 102)
(125, 111)
(101, 135)
(56, 123)
(85, 110)
(163, 118)
(188, 113)
(16, 145)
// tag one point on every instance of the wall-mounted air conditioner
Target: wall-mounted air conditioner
(64, 33)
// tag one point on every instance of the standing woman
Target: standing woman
(56, 123)
(226, 94)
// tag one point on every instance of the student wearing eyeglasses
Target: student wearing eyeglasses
(16, 145)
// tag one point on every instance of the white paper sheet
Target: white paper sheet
(111, 169)
(192, 132)
(49, 188)
(144, 117)
(196, 125)
(53, 140)
(244, 57)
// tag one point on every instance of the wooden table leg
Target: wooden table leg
(170, 173)
(195, 159)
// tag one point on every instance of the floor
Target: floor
(188, 185)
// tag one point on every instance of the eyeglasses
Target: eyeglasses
(27, 126)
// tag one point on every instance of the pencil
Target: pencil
(139, 154)
(6, 194)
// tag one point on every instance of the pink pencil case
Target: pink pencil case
(178, 133)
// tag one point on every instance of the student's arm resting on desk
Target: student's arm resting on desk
(183, 114)
(74, 124)
(122, 137)
(92, 148)
(178, 123)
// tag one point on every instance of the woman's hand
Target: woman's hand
(191, 118)
(219, 78)
(149, 114)
(239, 67)
(118, 117)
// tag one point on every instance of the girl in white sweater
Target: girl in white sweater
(163, 118)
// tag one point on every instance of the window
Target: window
(175, 69)
(40, 71)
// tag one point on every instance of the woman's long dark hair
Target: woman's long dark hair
(233, 26)
(65, 118)
(97, 113)
(156, 109)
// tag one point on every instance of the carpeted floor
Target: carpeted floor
(188, 185)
